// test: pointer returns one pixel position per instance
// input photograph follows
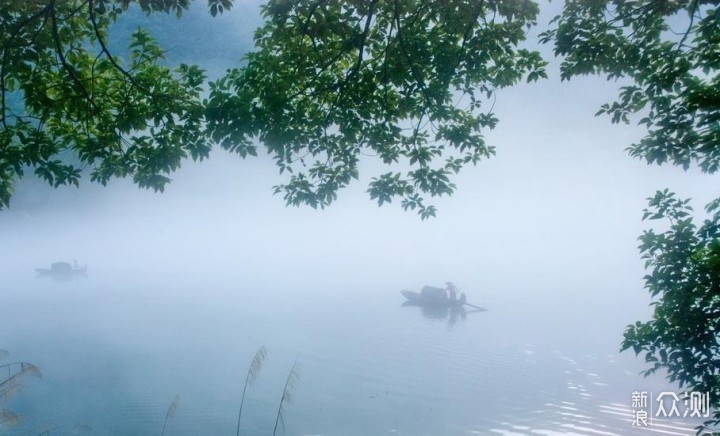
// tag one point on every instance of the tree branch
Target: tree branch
(103, 47)
(20, 26)
(363, 38)
(418, 78)
(63, 60)
(693, 8)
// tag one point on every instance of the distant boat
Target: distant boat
(432, 296)
(62, 270)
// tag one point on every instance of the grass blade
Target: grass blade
(287, 395)
(29, 368)
(9, 418)
(250, 378)
(8, 389)
(12, 380)
(171, 412)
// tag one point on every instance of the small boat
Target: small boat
(62, 270)
(432, 297)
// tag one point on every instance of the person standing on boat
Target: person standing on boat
(452, 290)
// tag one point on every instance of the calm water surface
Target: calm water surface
(114, 349)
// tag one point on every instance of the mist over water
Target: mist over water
(183, 287)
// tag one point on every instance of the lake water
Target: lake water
(117, 346)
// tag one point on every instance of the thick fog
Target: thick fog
(550, 224)
(557, 208)
(555, 215)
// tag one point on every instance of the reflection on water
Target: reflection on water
(453, 314)
(582, 408)
(115, 349)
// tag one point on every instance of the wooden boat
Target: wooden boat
(432, 297)
(62, 270)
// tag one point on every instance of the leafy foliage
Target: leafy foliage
(404, 81)
(67, 103)
(684, 264)
(670, 51)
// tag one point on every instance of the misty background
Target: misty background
(184, 286)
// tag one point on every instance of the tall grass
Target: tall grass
(287, 395)
(250, 378)
(170, 412)
(10, 385)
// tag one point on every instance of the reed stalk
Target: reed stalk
(287, 395)
(250, 378)
(170, 412)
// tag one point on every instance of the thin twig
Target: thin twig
(63, 60)
(15, 33)
(103, 47)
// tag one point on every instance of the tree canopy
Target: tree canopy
(669, 52)
(69, 107)
(403, 81)
(684, 263)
